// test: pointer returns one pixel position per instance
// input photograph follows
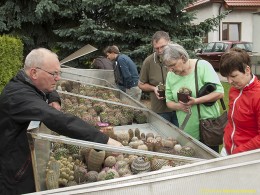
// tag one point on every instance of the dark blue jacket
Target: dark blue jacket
(126, 73)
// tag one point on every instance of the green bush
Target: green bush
(11, 56)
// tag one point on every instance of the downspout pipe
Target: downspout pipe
(219, 27)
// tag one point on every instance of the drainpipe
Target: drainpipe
(219, 27)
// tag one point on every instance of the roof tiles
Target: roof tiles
(230, 3)
(246, 3)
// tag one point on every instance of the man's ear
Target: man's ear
(33, 73)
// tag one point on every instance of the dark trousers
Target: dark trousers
(170, 116)
(215, 148)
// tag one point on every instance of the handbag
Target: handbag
(211, 129)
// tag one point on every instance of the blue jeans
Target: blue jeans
(170, 116)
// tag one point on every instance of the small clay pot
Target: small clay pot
(183, 97)
(161, 93)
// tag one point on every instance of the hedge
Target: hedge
(11, 56)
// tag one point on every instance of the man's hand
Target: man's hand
(113, 142)
(155, 90)
(55, 105)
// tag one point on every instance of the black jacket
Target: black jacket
(20, 103)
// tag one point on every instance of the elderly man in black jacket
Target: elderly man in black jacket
(31, 96)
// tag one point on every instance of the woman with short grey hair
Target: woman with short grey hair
(181, 78)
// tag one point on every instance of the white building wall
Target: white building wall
(256, 33)
(212, 10)
(246, 20)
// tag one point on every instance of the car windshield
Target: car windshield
(220, 47)
(246, 46)
(215, 47)
(208, 47)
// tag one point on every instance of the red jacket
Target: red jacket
(242, 132)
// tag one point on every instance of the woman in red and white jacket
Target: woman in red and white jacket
(242, 132)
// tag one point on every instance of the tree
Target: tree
(70, 24)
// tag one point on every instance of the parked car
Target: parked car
(213, 51)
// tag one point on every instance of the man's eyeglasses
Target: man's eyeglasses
(159, 48)
(54, 74)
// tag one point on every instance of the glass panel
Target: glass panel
(219, 47)
(208, 47)
(233, 32)
(225, 32)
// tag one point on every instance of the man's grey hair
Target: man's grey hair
(174, 51)
(37, 57)
(160, 35)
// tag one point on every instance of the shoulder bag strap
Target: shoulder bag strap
(197, 87)
(161, 65)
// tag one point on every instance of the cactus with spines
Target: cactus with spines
(95, 160)
(99, 107)
(123, 120)
(110, 161)
(92, 176)
(80, 174)
(60, 152)
(52, 180)
(167, 143)
(177, 148)
(157, 163)
(66, 171)
(157, 146)
(124, 171)
(137, 133)
(54, 165)
(131, 158)
(149, 135)
(158, 137)
(72, 149)
(84, 152)
(113, 120)
(150, 144)
(140, 117)
(185, 90)
(111, 174)
(143, 137)
(71, 183)
(57, 145)
(142, 147)
(123, 136)
(166, 150)
(187, 151)
(140, 165)
(102, 175)
(121, 164)
(131, 133)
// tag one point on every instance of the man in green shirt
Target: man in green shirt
(154, 72)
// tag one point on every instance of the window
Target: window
(246, 46)
(208, 47)
(231, 31)
(219, 47)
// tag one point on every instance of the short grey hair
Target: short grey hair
(160, 35)
(174, 51)
(37, 57)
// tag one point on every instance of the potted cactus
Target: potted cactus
(183, 94)
(161, 89)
